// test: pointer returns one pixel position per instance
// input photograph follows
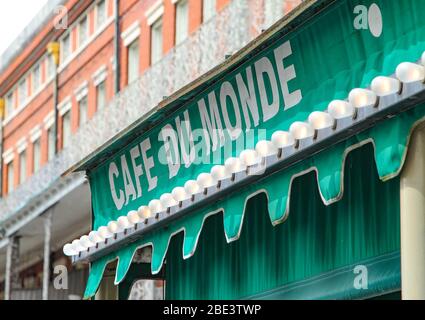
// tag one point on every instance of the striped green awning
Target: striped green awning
(297, 67)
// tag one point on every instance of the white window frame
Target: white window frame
(205, 16)
(177, 3)
(86, 17)
(96, 8)
(8, 156)
(64, 106)
(63, 58)
(131, 33)
(10, 107)
(155, 12)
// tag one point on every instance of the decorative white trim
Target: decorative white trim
(8, 156)
(64, 106)
(81, 91)
(35, 133)
(73, 55)
(100, 75)
(155, 12)
(49, 120)
(131, 33)
(22, 145)
(174, 1)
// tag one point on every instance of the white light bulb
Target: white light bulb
(113, 227)
(340, 109)
(301, 130)
(144, 212)
(234, 165)
(69, 250)
(167, 200)
(156, 206)
(265, 148)
(384, 86)
(95, 237)
(104, 232)
(191, 187)
(133, 217)
(361, 98)
(180, 194)
(123, 222)
(77, 246)
(205, 180)
(249, 157)
(320, 120)
(282, 139)
(219, 172)
(86, 242)
(408, 72)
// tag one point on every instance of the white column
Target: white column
(412, 219)
(8, 269)
(46, 260)
(11, 275)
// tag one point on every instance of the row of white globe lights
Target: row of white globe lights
(381, 86)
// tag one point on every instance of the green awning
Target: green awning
(319, 56)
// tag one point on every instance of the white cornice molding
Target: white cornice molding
(35, 133)
(64, 106)
(100, 75)
(8, 155)
(131, 33)
(82, 91)
(22, 145)
(154, 12)
(49, 120)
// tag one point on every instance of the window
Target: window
(208, 9)
(182, 21)
(22, 92)
(83, 32)
(22, 166)
(10, 104)
(66, 128)
(101, 95)
(156, 41)
(36, 78)
(66, 47)
(133, 61)
(100, 13)
(82, 111)
(50, 143)
(36, 155)
(10, 177)
(50, 67)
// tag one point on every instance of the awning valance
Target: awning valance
(314, 67)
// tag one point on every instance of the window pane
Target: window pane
(10, 104)
(22, 167)
(133, 61)
(100, 13)
(156, 44)
(50, 67)
(66, 47)
(10, 177)
(82, 111)
(51, 143)
(22, 92)
(83, 31)
(182, 21)
(36, 155)
(36, 79)
(208, 9)
(100, 96)
(66, 129)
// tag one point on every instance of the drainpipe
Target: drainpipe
(117, 48)
(2, 109)
(53, 49)
(412, 219)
